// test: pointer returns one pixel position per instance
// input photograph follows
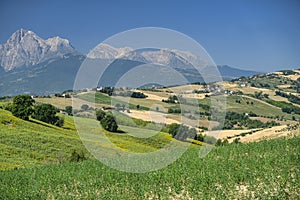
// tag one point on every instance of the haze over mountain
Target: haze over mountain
(168, 57)
(30, 64)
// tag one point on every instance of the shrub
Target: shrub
(210, 139)
(171, 99)
(85, 107)
(173, 129)
(236, 140)
(200, 137)
(7, 106)
(174, 110)
(69, 110)
(77, 156)
(219, 142)
(60, 122)
(181, 132)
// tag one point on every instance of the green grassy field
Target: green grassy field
(263, 170)
(31, 143)
(28, 143)
(36, 158)
(259, 107)
(105, 99)
(97, 97)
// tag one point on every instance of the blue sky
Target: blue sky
(259, 35)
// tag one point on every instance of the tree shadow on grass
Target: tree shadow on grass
(47, 125)
(120, 131)
(42, 123)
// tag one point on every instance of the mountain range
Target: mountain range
(30, 64)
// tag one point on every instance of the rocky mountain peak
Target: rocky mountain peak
(24, 47)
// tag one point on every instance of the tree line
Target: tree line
(24, 107)
(110, 91)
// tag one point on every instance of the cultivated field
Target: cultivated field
(263, 170)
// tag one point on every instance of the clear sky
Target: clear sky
(249, 34)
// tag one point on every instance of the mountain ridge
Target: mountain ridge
(33, 65)
(25, 48)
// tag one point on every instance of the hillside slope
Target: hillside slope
(264, 170)
(31, 143)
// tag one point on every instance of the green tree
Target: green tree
(183, 133)
(200, 137)
(60, 122)
(192, 133)
(210, 140)
(69, 110)
(258, 95)
(173, 129)
(138, 95)
(225, 142)
(266, 95)
(85, 107)
(236, 140)
(219, 142)
(22, 106)
(100, 114)
(109, 123)
(108, 90)
(47, 113)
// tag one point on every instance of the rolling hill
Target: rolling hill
(244, 171)
(256, 156)
(41, 161)
(31, 143)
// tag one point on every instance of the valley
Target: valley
(236, 139)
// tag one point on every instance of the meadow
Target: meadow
(100, 98)
(36, 163)
(31, 143)
(263, 170)
(42, 161)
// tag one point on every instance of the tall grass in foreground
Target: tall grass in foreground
(263, 170)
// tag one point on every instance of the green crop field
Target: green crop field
(258, 107)
(263, 170)
(97, 97)
(30, 143)
(105, 99)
